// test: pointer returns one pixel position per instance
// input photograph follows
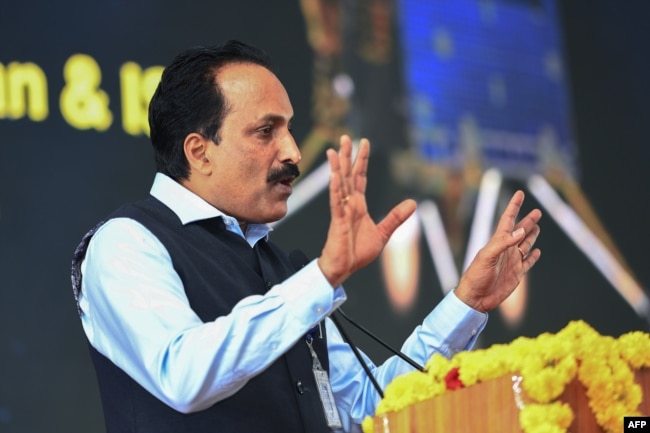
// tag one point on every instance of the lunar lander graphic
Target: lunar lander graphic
(478, 91)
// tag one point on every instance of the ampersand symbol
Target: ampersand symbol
(83, 104)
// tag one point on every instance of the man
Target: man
(197, 322)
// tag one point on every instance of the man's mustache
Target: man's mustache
(287, 170)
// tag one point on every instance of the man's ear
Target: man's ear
(196, 149)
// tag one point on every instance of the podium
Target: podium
(491, 407)
(575, 381)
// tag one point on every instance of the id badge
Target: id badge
(327, 398)
(325, 391)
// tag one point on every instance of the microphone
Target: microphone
(299, 260)
(383, 343)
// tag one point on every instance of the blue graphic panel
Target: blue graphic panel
(485, 81)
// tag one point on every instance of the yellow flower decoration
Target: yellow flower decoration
(543, 418)
(634, 347)
(548, 363)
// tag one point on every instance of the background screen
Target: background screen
(464, 102)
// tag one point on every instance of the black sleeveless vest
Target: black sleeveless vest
(218, 268)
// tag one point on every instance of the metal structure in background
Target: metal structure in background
(486, 99)
(74, 85)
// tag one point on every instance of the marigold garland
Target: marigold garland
(548, 363)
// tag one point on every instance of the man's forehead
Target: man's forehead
(255, 89)
(241, 77)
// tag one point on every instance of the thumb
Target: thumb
(395, 218)
(503, 241)
(513, 238)
(517, 236)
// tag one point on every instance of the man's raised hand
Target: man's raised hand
(353, 238)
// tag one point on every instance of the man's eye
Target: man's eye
(266, 130)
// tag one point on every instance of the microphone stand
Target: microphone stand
(383, 343)
(346, 337)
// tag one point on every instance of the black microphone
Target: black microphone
(299, 260)
(383, 343)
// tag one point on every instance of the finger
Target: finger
(527, 244)
(530, 259)
(360, 168)
(509, 216)
(345, 157)
(529, 254)
(500, 242)
(530, 221)
(336, 192)
(395, 218)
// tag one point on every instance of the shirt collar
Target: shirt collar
(189, 207)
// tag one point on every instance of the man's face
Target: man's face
(250, 180)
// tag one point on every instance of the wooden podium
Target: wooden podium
(491, 407)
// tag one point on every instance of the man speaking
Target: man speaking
(197, 322)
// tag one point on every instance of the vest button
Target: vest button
(300, 387)
(269, 284)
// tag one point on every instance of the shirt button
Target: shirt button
(319, 310)
(300, 387)
(473, 331)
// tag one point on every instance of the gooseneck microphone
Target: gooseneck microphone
(365, 366)
(299, 260)
(380, 341)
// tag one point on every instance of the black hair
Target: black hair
(188, 100)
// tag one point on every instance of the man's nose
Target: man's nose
(289, 151)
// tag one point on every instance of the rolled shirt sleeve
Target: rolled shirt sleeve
(135, 312)
(450, 328)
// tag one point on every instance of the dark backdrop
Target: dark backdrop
(57, 181)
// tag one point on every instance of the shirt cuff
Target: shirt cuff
(458, 324)
(310, 283)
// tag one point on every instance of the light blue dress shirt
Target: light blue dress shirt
(135, 312)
